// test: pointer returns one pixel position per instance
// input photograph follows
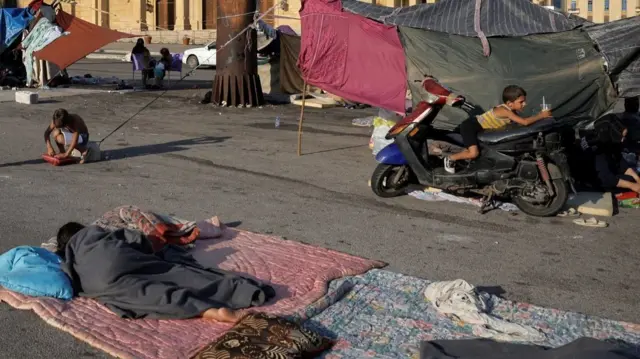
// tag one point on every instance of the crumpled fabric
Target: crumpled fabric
(44, 33)
(459, 299)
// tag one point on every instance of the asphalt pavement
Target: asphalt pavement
(195, 161)
(200, 78)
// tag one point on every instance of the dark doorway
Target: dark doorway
(209, 14)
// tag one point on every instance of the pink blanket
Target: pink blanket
(297, 271)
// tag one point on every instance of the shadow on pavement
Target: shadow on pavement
(160, 148)
(136, 151)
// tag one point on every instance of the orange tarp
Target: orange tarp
(84, 38)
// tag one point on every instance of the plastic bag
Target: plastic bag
(380, 129)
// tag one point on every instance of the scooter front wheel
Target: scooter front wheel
(390, 180)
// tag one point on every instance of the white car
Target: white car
(205, 56)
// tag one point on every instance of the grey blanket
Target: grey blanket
(120, 270)
(582, 348)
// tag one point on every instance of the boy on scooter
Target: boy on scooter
(514, 100)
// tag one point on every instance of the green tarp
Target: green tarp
(563, 67)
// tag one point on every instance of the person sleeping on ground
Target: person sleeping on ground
(121, 270)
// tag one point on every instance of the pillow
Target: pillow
(34, 271)
(59, 162)
(261, 335)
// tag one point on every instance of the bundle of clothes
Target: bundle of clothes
(503, 339)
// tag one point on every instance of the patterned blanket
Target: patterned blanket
(298, 272)
(383, 315)
(159, 228)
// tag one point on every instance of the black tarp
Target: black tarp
(581, 348)
(619, 43)
(290, 76)
(497, 17)
(564, 67)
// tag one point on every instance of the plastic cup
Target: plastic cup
(546, 107)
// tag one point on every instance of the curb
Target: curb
(97, 56)
(121, 52)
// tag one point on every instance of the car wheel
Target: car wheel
(192, 61)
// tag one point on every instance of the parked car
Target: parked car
(205, 56)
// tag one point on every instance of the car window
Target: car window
(211, 45)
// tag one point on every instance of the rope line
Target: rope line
(250, 26)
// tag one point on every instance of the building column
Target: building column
(198, 17)
(615, 10)
(182, 15)
(138, 10)
(597, 11)
(632, 5)
(583, 8)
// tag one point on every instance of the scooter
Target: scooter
(525, 164)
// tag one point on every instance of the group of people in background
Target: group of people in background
(152, 68)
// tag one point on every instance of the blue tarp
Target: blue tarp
(12, 22)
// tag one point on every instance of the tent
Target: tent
(12, 22)
(351, 56)
(81, 38)
(55, 38)
(475, 47)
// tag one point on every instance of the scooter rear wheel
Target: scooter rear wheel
(384, 182)
(552, 208)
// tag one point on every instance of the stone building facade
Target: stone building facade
(169, 21)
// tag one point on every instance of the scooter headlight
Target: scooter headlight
(396, 130)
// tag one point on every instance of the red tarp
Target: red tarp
(84, 38)
(351, 56)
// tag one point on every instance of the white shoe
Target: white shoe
(449, 165)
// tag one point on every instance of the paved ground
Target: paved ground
(201, 78)
(127, 46)
(191, 160)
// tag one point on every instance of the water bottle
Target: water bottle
(278, 122)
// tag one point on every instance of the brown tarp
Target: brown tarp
(290, 76)
(83, 39)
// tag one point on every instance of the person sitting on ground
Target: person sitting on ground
(631, 120)
(147, 62)
(121, 270)
(70, 133)
(514, 100)
(602, 157)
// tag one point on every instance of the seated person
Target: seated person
(631, 120)
(147, 62)
(602, 156)
(166, 60)
(514, 100)
(70, 132)
(121, 270)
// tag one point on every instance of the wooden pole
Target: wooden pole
(304, 97)
(236, 82)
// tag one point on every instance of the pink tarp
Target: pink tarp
(351, 56)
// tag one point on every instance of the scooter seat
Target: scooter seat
(514, 132)
(456, 138)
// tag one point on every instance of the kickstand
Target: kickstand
(488, 204)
